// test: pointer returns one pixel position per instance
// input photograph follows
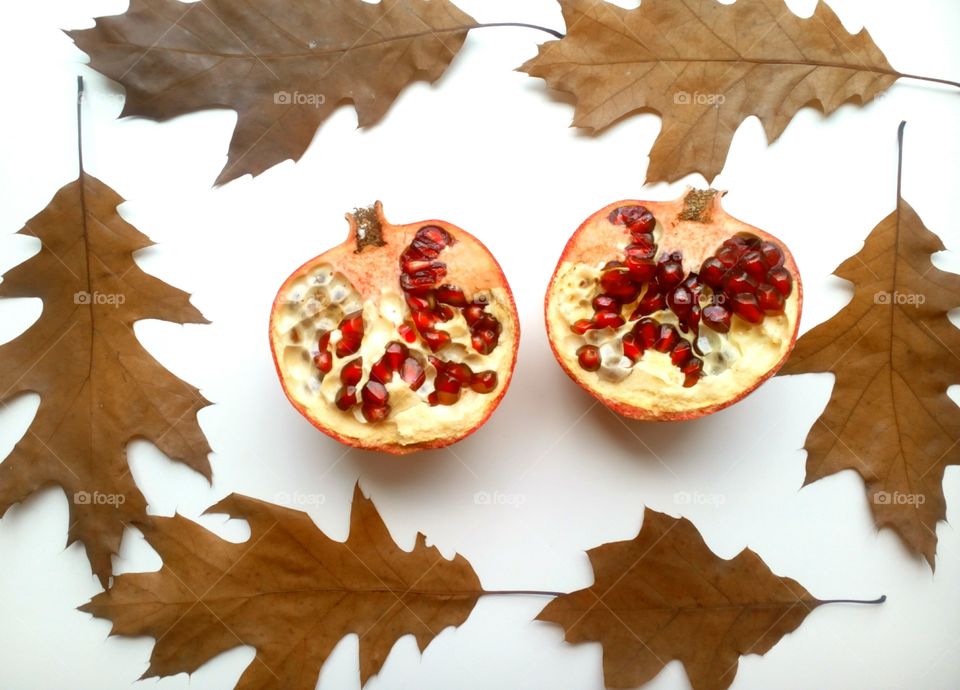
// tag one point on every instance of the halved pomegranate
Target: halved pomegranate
(672, 310)
(402, 338)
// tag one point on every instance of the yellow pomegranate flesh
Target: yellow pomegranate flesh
(672, 310)
(402, 338)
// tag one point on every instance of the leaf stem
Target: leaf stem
(878, 600)
(552, 32)
(534, 592)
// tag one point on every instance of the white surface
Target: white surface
(487, 149)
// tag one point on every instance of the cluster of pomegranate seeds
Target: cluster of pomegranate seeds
(648, 333)
(748, 275)
(431, 302)
(453, 377)
(745, 277)
(351, 335)
(396, 359)
(351, 332)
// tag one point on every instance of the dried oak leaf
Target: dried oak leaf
(894, 353)
(664, 595)
(290, 591)
(283, 66)
(704, 67)
(99, 389)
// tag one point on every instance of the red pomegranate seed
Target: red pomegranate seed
(670, 271)
(381, 371)
(412, 373)
(652, 301)
(347, 347)
(641, 270)
(395, 353)
(488, 323)
(606, 303)
(607, 319)
(781, 279)
(589, 357)
(352, 325)
(772, 255)
(374, 393)
(680, 353)
(582, 326)
(646, 331)
(480, 344)
(436, 339)
(738, 282)
(375, 413)
(727, 256)
(323, 340)
(770, 299)
(717, 318)
(692, 370)
(406, 332)
(452, 295)
(617, 283)
(459, 371)
(473, 313)
(666, 338)
(636, 218)
(418, 303)
(631, 347)
(420, 265)
(738, 243)
(443, 312)
(346, 397)
(745, 306)
(680, 302)
(484, 382)
(712, 271)
(640, 251)
(752, 262)
(421, 282)
(324, 361)
(489, 339)
(434, 234)
(612, 264)
(447, 389)
(352, 372)
(424, 320)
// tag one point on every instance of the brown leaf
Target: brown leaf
(99, 388)
(705, 67)
(894, 353)
(174, 58)
(290, 591)
(664, 595)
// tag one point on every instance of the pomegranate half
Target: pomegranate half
(672, 310)
(402, 338)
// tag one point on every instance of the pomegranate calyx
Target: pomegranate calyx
(366, 226)
(698, 204)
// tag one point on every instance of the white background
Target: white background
(489, 149)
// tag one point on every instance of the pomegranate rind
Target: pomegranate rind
(595, 242)
(373, 273)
